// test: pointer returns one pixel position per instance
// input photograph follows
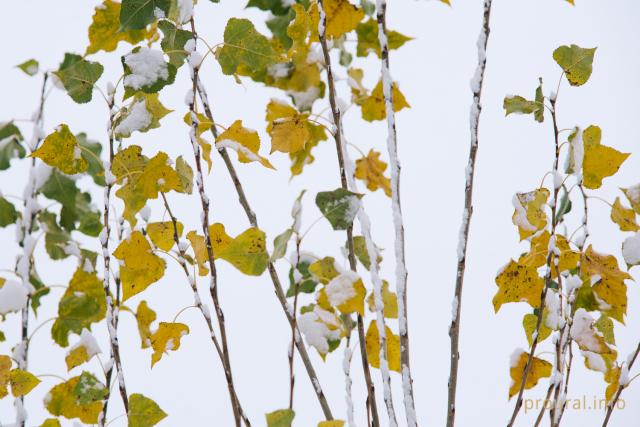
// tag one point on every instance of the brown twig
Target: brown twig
(621, 387)
(273, 274)
(476, 109)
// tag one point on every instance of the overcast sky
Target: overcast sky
(434, 72)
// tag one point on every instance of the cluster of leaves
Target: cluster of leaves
(573, 291)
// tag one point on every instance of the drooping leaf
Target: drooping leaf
(79, 76)
(203, 125)
(280, 244)
(82, 304)
(8, 212)
(10, 144)
(145, 316)
(600, 161)
(519, 105)
(518, 283)
(173, 42)
(280, 418)
(104, 31)
(624, 217)
(389, 301)
(200, 252)
(372, 341)
(373, 106)
(576, 63)
(141, 266)
(62, 151)
(166, 338)
(539, 369)
(339, 207)
(144, 412)
(370, 169)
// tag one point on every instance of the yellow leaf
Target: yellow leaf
(342, 17)
(200, 252)
(145, 316)
(289, 134)
(539, 369)
(305, 24)
(333, 423)
(5, 367)
(245, 142)
(518, 283)
(537, 255)
(346, 292)
(389, 299)
(372, 342)
(568, 258)
(371, 169)
(373, 106)
(529, 215)
(166, 338)
(76, 357)
(204, 124)
(611, 287)
(62, 151)
(141, 266)
(600, 161)
(104, 31)
(247, 252)
(162, 234)
(22, 382)
(51, 422)
(624, 217)
(612, 377)
(324, 270)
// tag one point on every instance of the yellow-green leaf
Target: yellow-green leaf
(518, 283)
(624, 217)
(280, 418)
(141, 266)
(247, 252)
(166, 338)
(5, 367)
(576, 63)
(64, 400)
(162, 234)
(62, 151)
(324, 270)
(368, 38)
(51, 422)
(22, 382)
(144, 412)
(529, 323)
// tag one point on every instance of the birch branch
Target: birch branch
(398, 221)
(204, 310)
(24, 263)
(195, 60)
(244, 202)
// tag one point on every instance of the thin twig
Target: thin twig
(621, 387)
(476, 108)
(204, 199)
(251, 216)
(398, 222)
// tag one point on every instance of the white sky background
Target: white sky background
(434, 72)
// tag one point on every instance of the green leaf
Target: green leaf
(144, 412)
(539, 114)
(173, 42)
(576, 63)
(280, 244)
(62, 400)
(79, 76)
(8, 213)
(519, 105)
(280, 418)
(132, 60)
(95, 165)
(367, 33)
(82, 304)
(137, 14)
(88, 389)
(276, 7)
(10, 147)
(339, 207)
(29, 67)
(246, 51)
(55, 238)
(605, 325)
